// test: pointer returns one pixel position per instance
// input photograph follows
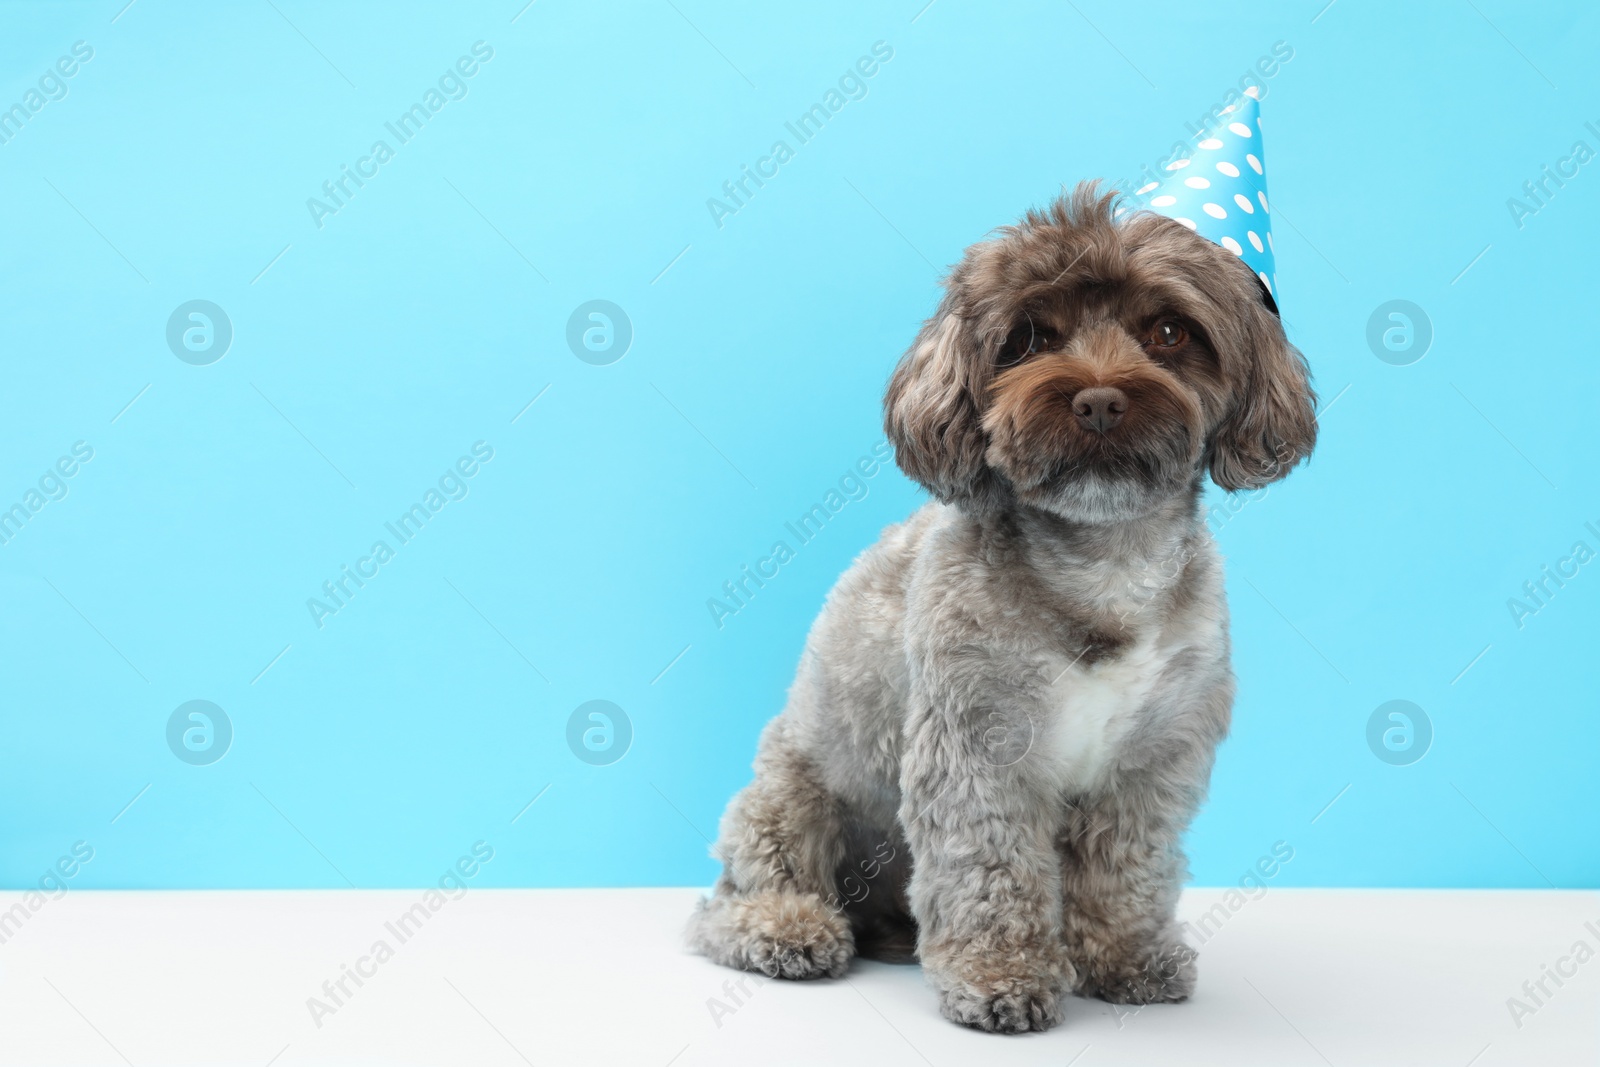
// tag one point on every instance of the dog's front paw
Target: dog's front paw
(800, 950)
(780, 934)
(1163, 976)
(1012, 1012)
(1000, 999)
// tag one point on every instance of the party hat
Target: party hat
(1220, 190)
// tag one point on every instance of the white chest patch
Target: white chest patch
(1091, 709)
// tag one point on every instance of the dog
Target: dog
(1006, 714)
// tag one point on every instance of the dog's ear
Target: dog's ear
(930, 411)
(1273, 425)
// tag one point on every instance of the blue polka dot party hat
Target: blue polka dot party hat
(1220, 190)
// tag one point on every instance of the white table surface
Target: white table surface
(1313, 977)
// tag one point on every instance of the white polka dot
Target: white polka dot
(1253, 91)
(1163, 201)
(1239, 128)
(1244, 203)
(1197, 182)
(1264, 281)
(1255, 240)
(1216, 211)
(1119, 212)
(1271, 244)
(1264, 206)
(1146, 188)
(1233, 246)
(1255, 164)
(1211, 144)
(1230, 109)
(1229, 169)
(1177, 164)
(1187, 222)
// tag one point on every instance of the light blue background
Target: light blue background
(416, 322)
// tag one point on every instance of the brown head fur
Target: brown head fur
(983, 418)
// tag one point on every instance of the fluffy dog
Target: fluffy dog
(1006, 714)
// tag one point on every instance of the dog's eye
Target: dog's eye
(1166, 336)
(1024, 341)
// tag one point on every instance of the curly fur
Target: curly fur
(1006, 714)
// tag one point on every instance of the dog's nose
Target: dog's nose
(1100, 408)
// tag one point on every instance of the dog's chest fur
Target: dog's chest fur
(1097, 696)
(1090, 709)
